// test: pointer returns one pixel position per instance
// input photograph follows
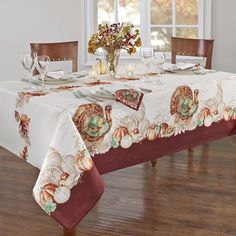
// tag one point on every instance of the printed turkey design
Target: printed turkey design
(184, 103)
(92, 122)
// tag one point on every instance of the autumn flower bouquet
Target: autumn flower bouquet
(113, 38)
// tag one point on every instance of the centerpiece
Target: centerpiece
(112, 39)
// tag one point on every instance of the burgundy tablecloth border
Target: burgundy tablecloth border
(86, 194)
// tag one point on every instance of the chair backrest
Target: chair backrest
(63, 51)
(192, 47)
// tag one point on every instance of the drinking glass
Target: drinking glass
(147, 58)
(42, 64)
(158, 60)
(28, 62)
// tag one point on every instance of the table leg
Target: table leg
(69, 232)
(154, 163)
(190, 150)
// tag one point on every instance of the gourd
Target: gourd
(83, 163)
(100, 67)
(62, 194)
(47, 193)
(120, 132)
(126, 141)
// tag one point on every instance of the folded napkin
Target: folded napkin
(129, 97)
(81, 73)
(59, 74)
(184, 66)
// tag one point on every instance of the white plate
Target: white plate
(49, 80)
(110, 89)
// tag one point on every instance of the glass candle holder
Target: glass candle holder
(130, 69)
(93, 74)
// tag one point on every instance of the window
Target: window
(157, 20)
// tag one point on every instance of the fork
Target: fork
(79, 94)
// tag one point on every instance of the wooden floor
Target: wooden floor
(192, 196)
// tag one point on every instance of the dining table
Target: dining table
(74, 130)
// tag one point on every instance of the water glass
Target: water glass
(158, 60)
(28, 62)
(42, 64)
(147, 58)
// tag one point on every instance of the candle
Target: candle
(93, 74)
(130, 69)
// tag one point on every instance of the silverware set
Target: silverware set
(102, 95)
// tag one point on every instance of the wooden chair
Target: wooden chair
(63, 51)
(192, 47)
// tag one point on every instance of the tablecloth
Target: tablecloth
(60, 134)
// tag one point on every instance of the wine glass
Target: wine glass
(42, 64)
(28, 62)
(158, 60)
(147, 58)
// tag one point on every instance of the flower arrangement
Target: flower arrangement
(113, 38)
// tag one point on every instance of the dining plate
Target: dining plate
(49, 80)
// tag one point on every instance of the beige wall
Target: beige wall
(224, 33)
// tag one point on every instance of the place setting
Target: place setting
(38, 74)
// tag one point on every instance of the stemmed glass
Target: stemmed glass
(158, 60)
(147, 58)
(42, 64)
(28, 62)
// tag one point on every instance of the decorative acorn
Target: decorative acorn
(64, 177)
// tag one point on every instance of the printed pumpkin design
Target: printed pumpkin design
(61, 174)
(229, 114)
(160, 130)
(82, 162)
(205, 117)
(24, 122)
(184, 103)
(92, 122)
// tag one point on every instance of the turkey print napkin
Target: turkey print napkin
(129, 97)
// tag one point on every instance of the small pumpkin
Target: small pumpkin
(126, 141)
(62, 194)
(83, 163)
(53, 157)
(119, 133)
(203, 114)
(208, 121)
(99, 67)
(47, 193)
(68, 164)
(151, 133)
(228, 113)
